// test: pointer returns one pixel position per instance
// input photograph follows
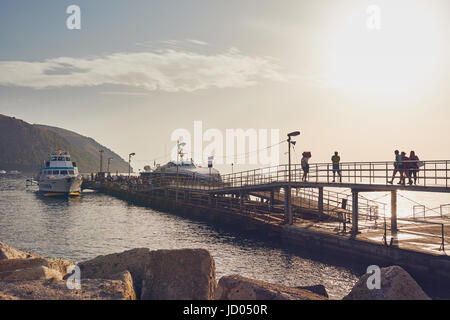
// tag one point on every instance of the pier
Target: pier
(316, 213)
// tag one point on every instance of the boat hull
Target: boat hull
(67, 186)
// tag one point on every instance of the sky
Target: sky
(360, 77)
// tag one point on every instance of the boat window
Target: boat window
(60, 158)
(55, 172)
(48, 172)
(67, 159)
(71, 172)
(74, 164)
(54, 158)
(64, 172)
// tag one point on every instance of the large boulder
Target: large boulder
(184, 274)
(396, 284)
(236, 287)
(36, 273)
(107, 266)
(317, 289)
(119, 288)
(7, 252)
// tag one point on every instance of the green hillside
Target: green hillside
(25, 147)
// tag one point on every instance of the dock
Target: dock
(277, 204)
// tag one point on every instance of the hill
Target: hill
(25, 147)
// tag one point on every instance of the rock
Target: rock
(396, 284)
(36, 273)
(120, 288)
(7, 252)
(184, 274)
(16, 264)
(59, 265)
(318, 289)
(107, 266)
(236, 287)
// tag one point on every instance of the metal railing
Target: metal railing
(429, 174)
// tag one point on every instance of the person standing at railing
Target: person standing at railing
(336, 169)
(305, 165)
(413, 166)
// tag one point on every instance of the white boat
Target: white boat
(14, 172)
(2, 172)
(188, 169)
(59, 176)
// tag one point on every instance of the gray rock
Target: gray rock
(236, 287)
(120, 288)
(7, 252)
(185, 274)
(396, 284)
(107, 266)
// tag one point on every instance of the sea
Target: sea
(81, 228)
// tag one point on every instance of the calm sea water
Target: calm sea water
(96, 224)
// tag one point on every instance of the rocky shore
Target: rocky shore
(182, 274)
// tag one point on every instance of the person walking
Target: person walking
(404, 167)
(305, 165)
(414, 166)
(336, 167)
(397, 163)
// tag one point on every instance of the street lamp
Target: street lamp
(109, 161)
(129, 163)
(289, 208)
(179, 153)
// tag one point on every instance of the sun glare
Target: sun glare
(399, 57)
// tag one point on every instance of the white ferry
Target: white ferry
(60, 176)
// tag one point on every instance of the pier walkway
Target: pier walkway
(278, 196)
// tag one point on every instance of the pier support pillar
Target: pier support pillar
(210, 199)
(286, 203)
(320, 200)
(394, 211)
(241, 201)
(271, 201)
(355, 213)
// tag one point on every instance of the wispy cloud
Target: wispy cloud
(167, 70)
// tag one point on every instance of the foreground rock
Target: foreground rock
(7, 252)
(107, 266)
(120, 288)
(239, 288)
(36, 273)
(396, 284)
(185, 274)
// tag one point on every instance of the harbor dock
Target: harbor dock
(276, 203)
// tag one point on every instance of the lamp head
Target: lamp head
(293, 134)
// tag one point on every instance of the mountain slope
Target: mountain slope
(25, 147)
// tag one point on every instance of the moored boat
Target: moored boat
(59, 176)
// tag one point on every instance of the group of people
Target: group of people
(408, 167)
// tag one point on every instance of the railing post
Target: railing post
(355, 195)
(394, 211)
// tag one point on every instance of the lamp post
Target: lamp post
(101, 160)
(289, 208)
(109, 161)
(179, 152)
(129, 163)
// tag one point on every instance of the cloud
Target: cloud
(167, 70)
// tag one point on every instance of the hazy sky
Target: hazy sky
(138, 70)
